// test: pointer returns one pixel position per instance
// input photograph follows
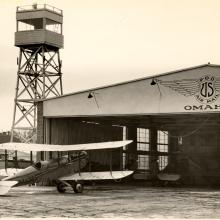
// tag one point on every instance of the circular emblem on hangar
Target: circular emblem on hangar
(207, 92)
(205, 89)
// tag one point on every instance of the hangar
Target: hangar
(172, 118)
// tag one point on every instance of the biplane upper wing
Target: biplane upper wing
(106, 175)
(24, 147)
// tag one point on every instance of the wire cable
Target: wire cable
(190, 133)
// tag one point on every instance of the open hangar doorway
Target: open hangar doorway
(184, 144)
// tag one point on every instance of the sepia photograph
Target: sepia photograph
(110, 109)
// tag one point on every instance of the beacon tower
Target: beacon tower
(39, 36)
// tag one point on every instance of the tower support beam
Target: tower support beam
(38, 77)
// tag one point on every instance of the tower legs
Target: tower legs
(38, 77)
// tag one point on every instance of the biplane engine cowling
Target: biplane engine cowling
(41, 165)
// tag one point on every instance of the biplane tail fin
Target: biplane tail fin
(5, 186)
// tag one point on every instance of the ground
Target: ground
(112, 201)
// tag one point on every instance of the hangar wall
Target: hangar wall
(68, 131)
(71, 131)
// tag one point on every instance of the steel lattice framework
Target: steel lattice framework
(39, 76)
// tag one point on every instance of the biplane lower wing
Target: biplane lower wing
(24, 147)
(106, 175)
(5, 186)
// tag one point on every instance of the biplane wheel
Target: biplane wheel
(61, 188)
(78, 187)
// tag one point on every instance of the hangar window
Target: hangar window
(143, 148)
(124, 148)
(162, 141)
(163, 161)
(162, 147)
(142, 139)
(143, 162)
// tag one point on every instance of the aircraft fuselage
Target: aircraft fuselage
(49, 170)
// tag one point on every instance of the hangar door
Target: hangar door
(70, 131)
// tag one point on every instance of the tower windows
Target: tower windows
(39, 24)
(53, 26)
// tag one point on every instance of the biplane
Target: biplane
(65, 171)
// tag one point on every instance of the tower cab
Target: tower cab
(39, 24)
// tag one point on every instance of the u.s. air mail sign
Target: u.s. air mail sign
(205, 90)
(192, 90)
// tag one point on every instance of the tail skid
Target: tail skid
(5, 186)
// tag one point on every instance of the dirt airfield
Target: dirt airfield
(112, 201)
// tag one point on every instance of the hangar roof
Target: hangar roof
(135, 80)
(196, 89)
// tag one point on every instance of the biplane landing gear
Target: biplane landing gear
(61, 188)
(78, 187)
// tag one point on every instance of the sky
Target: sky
(111, 41)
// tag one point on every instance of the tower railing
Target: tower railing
(39, 7)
